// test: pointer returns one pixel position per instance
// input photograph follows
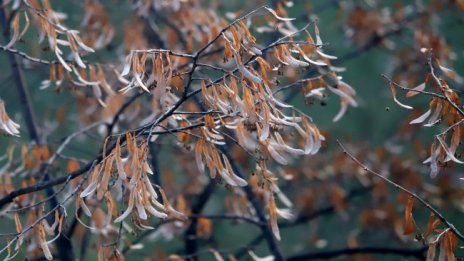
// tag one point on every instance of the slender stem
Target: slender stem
(408, 89)
(414, 195)
(442, 88)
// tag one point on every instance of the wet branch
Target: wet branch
(398, 186)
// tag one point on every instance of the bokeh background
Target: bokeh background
(374, 123)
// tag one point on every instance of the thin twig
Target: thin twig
(442, 88)
(411, 90)
(396, 185)
(60, 205)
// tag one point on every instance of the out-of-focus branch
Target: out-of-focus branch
(156, 177)
(23, 92)
(271, 241)
(325, 210)
(120, 111)
(417, 253)
(230, 217)
(191, 240)
(304, 218)
(63, 244)
(152, 31)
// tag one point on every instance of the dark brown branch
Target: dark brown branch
(271, 241)
(62, 243)
(121, 110)
(20, 84)
(414, 195)
(442, 88)
(166, 21)
(304, 218)
(411, 90)
(325, 210)
(417, 253)
(154, 150)
(230, 217)
(27, 57)
(44, 185)
(295, 84)
(191, 241)
(52, 211)
(152, 31)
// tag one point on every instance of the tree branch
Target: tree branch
(417, 253)
(20, 84)
(191, 240)
(414, 195)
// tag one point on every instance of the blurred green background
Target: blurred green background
(374, 122)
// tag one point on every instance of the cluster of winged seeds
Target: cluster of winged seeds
(242, 106)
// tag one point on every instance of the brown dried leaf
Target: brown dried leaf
(277, 16)
(393, 90)
(409, 223)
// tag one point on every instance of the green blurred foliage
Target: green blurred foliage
(374, 122)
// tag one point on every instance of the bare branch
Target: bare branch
(421, 200)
